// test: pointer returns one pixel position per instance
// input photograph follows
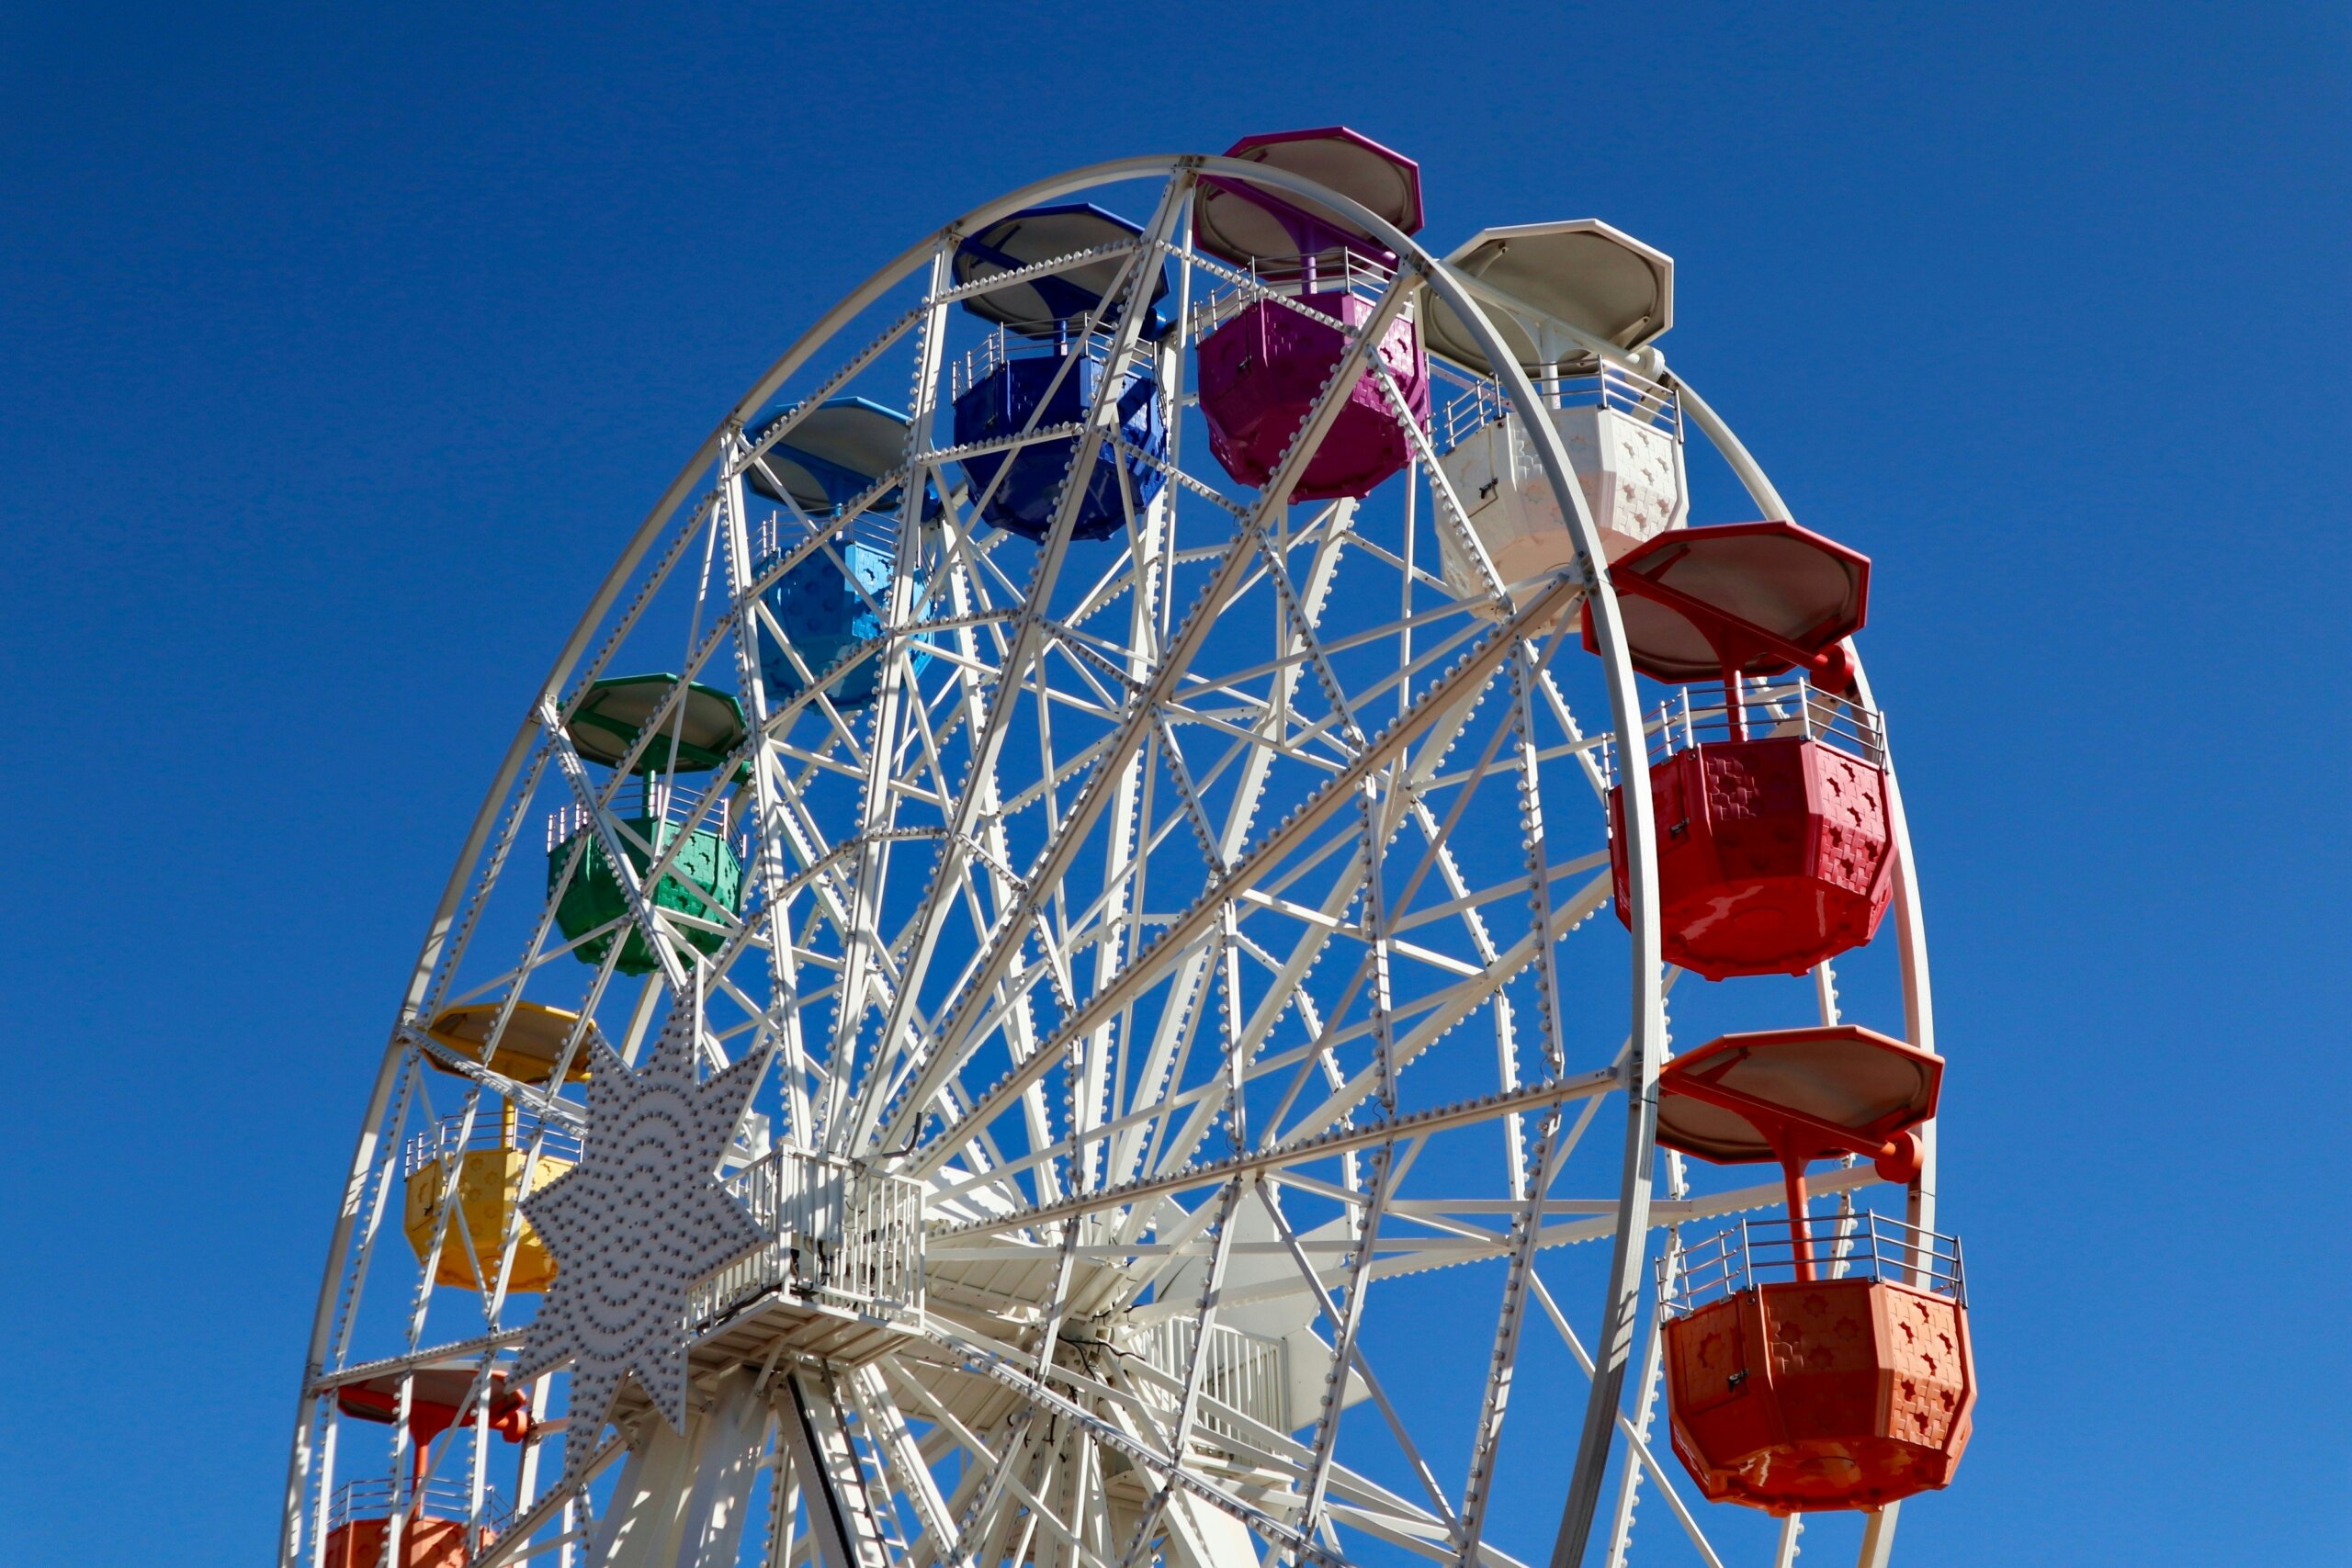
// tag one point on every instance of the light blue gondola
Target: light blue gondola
(830, 459)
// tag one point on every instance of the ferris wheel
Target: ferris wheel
(1072, 964)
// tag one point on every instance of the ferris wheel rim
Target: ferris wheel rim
(1647, 1018)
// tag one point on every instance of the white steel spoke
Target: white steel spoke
(1161, 912)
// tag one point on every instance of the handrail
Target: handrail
(442, 1497)
(1482, 403)
(1336, 271)
(877, 530)
(1082, 336)
(442, 1142)
(843, 1236)
(640, 798)
(1248, 1372)
(1862, 1245)
(1771, 708)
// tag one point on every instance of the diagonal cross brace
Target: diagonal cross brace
(958, 1035)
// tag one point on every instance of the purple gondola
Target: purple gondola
(1263, 367)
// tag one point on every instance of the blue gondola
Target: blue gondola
(830, 459)
(1043, 366)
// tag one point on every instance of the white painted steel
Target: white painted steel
(969, 1258)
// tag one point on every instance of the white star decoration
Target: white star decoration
(634, 1225)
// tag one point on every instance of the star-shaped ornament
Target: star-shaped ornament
(634, 1225)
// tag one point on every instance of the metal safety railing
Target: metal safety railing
(1768, 709)
(444, 1497)
(775, 535)
(1335, 271)
(640, 798)
(1481, 402)
(838, 1234)
(447, 1139)
(1247, 1372)
(1856, 1246)
(1081, 336)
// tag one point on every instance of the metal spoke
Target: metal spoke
(1118, 916)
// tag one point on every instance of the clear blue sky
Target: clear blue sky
(340, 352)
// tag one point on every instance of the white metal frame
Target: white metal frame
(1045, 1474)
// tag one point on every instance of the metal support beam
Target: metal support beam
(841, 1515)
(733, 1439)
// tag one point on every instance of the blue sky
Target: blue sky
(342, 351)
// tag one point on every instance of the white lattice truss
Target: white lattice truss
(1197, 943)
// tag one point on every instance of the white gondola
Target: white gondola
(1622, 430)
